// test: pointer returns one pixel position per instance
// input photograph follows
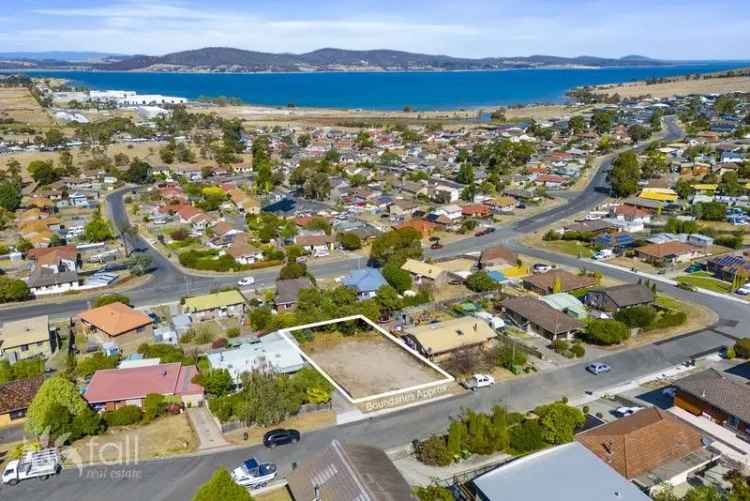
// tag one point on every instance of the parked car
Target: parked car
(669, 392)
(694, 268)
(541, 268)
(280, 437)
(603, 254)
(744, 290)
(627, 411)
(478, 381)
(114, 267)
(436, 246)
(246, 282)
(597, 368)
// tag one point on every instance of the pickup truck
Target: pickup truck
(41, 464)
(478, 381)
(253, 474)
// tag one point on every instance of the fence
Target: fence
(509, 342)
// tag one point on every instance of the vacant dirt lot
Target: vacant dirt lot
(166, 436)
(367, 363)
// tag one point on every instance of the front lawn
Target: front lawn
(570, 247)
(705, 282)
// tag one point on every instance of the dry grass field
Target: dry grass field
(18, 104)
(679, 87)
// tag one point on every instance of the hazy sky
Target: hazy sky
(687, 29)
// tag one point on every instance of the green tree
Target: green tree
(602, 120)
(396, 277)
(10, 195)
(139, 263)
(87, 366)
(12, 290)
(217, 382)
(559, 422)
(54, 137)
(527, 436)
(577, 124)
(606, 332)
(221, 486)
(434, 451)
(725, 104)
(139, 172)
(480, 281)
(626, 173)
(55, 393)
(97, 229)
(292, 270)
(350, 241)
(466, 174)
(389, 299)
(43, 172)
(399, 244)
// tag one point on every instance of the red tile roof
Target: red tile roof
(115, 318)
(115, 385)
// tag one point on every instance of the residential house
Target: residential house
(568, 304)
(243, 252)
(555, 281)
(440, 340)
(426, 273)
(630, 214)
(66, 256)
(288, 290)
(497, 256)
(27, 338)
(116, 319)
(595, 227)
(351, 472)
(714, 395)
(270, 353)
(421, 226)
(15, 398)
(568, 472)
(111, 389)
(537, 317)
(318, 244)
(669, 253)
(366, 281)
(44, 280)
(223, 304)
(476, 210)
(651, 448)
(615, 298)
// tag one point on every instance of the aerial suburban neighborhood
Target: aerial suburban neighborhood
(309, 304)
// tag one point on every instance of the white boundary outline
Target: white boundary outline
(447, 377)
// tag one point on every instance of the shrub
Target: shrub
(480, 282)
(433, 493)
(233, 332)
(434, 451)
(508, 357)
(742, 348)
(637, 316)
(350, 241)
(153, 406)
(578, 350)
(526, 437)
(111, 298)
(730, 354)
(560, 345)
(124, 416)
(219, 343)
(668, 320)
(606, 332)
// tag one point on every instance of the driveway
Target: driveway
(208, 432)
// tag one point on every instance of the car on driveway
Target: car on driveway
(627, 411)
(436, 246)
(280, 437)
(541, 268)
(598, 368)
(246, 282)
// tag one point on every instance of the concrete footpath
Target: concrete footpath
(208, 432)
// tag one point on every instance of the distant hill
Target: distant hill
(225, 59)
(331, 59)
(71, 57)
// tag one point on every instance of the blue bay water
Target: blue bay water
(383, 91)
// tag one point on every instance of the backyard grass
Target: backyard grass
(704, 281)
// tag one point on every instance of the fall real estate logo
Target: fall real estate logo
(95, 458)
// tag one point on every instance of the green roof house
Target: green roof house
(568, 304)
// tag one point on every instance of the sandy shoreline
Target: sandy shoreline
(679, 86)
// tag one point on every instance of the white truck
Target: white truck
(253, 474)
(41, 464)
(604, 254)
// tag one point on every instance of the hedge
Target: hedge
(606, 332)
(742, 348)
(124, 416)
(668, 320)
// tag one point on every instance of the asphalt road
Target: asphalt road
(176, 479)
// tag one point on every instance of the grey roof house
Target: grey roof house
(288, 290)
(618, 297)
(568, 472)
(347, 472)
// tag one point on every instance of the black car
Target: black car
(280, 437)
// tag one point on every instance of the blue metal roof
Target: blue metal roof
(365, 280)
